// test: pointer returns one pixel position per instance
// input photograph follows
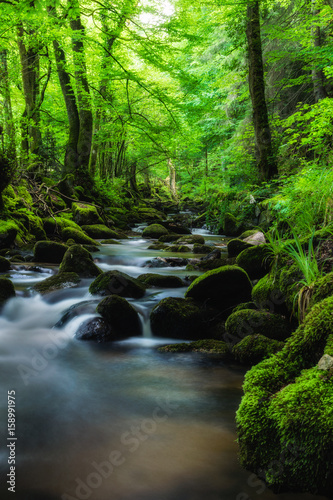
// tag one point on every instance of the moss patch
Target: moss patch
(207, 346)
(78, 236)
(160, 280)
(57, 282)
(256, 261)
(249, 321)
(254, 348)
(154, 231)
(7, 290)
(79, 260)
(118, 283)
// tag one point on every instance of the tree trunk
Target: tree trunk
(264, 152)
(84, 141)
(9, 128)
(172, 180)
(132, 178)
(318, 77)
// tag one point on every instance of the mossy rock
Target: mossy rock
(191, 239)
(177, 249)
(254, 348)
(56, 224)
(161, 280)
(322, 288)
(287, 410)
(17, 258)
(168, 238)
(85, 215)
(8, 233)
(256, 261)
(245, 305)
(207, 346)
(231, 225)
(224, 287)
(96, 330)
(201, 249)
(110, 242)
(57, 282)
(4, 265)
(289, 284)
(246, 234)
(78, 236)
(157, 246)
(236, 246)
(121, 316)
(49, 251)
(79, 260)
(154, 231)
(100, 231)
(178, 318)
(118, 283)
(249, 321)
(208, 265)
(32, 223)
(266, 294)
(7, 290)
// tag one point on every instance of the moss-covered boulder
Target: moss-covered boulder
(78, 260)
(100, 231)
(266, 294)
(224, 287)
(78, 236)
(236, 246)
(168, 238)
(177, 249)
(256, 261)
(177, 318)
(86, 215)
(322, 288)
(245, 305)
(289, 284)
(4, 265)
(118, 283)
(57, 282)
(8, 233)
(110, 242)
(249, 321)
(201, 249)
(190, 239)
(287, 411)
(218, 348)
(154, 231)
(231, 225)
(254, 348)
(121, 316)
(56, 224)
(157, 246)
(161, 280)
(49, 251)
(7, 290)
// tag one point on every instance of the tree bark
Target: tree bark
(172, 180)
(264, 152)
(9, 128)
(318, 77)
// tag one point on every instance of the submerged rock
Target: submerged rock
(208, 346)
(79, 260)
(121, 316)
(118, 283)
(49, 251)
(166, 262)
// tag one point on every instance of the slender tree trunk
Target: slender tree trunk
(84, 142)
(172, 180)
(318, 77)
(264, 152)
(9, 128)
(132, 177)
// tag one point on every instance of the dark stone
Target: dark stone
(4, 265)
(161, 280)
(7, 290)
(49, 251)
(121, 316)
(57, 282)
(96, 329)
(118, 283)
(79, 260)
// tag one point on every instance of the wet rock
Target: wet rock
(197, 248)
(236, 246)
(96, 329)
(191, 239)
(166, 262)
(7, 290)
(57, 282)
(154, 231)
(85, 307)
(325, 362)
(177, 228)
(121, 316)
(256, 261)
(208, 346)
(79, 260)
(4, 265)
(168, 238)
(214, 254)
(157, 246)
(224, 287)
(118, 283)
(161, 280)
(177, 318)
(49, 251)
(78, 236)
(178, 249)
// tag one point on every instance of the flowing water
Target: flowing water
(115, 421)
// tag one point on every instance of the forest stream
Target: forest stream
(116, 421)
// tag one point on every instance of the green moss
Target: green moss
(99, 231)
(118, 283)
(85, 214)
(322, 288)
(168, 238)
(110, 242)
(256, 261)
(231, 225)
(254, 348)
(79, 260)
(177, 249)
(161, 280)
(248, 233)
(56, 224)
(78, 236)
(157, 246)
(202, 249)
(249, 321)
(191, 239)
(289, 285)
(245, 305)
(224, 287)
(57, 282)
(329, 346)
(7, 290)
(8, 232)
(154, 231)
(267, 294)
(236, 246)
(207, 346)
